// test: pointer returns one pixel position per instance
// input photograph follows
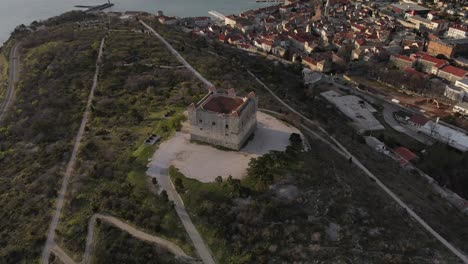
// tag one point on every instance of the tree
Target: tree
(164, 196)
(179, 184)
(219, 179)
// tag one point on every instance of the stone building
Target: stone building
(223, 118)
(449, 48)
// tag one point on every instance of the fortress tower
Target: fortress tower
(223, 118)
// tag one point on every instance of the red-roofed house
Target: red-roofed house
(418, 121)
(452, 74)
(428, 63)
(411, 72)
(401, 61)
(358, 28)
(235, 39)
(319, 65)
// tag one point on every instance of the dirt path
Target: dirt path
(171, 247)
(161, 172)
(12, 79)
(61, 254)
(179, 57)
(71, 164)
(168, 245)
(344, 152)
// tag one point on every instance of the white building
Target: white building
(463, 83)
(452, 137)
(454, 93)
(461, 108)
(457, 31)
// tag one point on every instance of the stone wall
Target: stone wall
(230, 131)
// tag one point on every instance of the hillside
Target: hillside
(292, 206)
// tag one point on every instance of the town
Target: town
(411, 57)
(300, 131)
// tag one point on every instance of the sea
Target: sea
(16, 12)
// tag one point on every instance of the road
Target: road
(13, 77)
(388, 111)
(158, 169)
(62, 255)
(171, 247)
(71, 164)
(388, 114)
(347, 155)
(208, 84)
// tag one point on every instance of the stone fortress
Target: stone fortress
(222, 118)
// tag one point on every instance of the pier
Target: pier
(216, 14)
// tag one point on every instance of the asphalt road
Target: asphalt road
(70, 166)
(346, 154)
(388, 112)
(12, 79)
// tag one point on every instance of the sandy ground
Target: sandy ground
(205, 163)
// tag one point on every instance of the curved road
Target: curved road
(171, 247)
(70, 166)
(168, 245)
(344, 152)
(12, 79)
(160, 170)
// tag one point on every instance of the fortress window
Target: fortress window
(213, 124)
(227, 126)
(200, 121)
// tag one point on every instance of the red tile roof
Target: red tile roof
(419, 120)
(223, 104)
(412, 71)
(454, 71)
(424, 56)
(403, 57)
(405, 154)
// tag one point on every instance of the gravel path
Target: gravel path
(179, 57)
(171, 247)
(71, 164)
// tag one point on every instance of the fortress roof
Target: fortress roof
(223, 104)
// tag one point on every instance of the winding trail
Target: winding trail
(71, 164)
(171, 247)
(345, 153)
(122, 225)
(161, 171)
(13, 78)
(179, 57)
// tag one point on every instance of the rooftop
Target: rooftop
(223, 104)
(409, 6)
(454, 71)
